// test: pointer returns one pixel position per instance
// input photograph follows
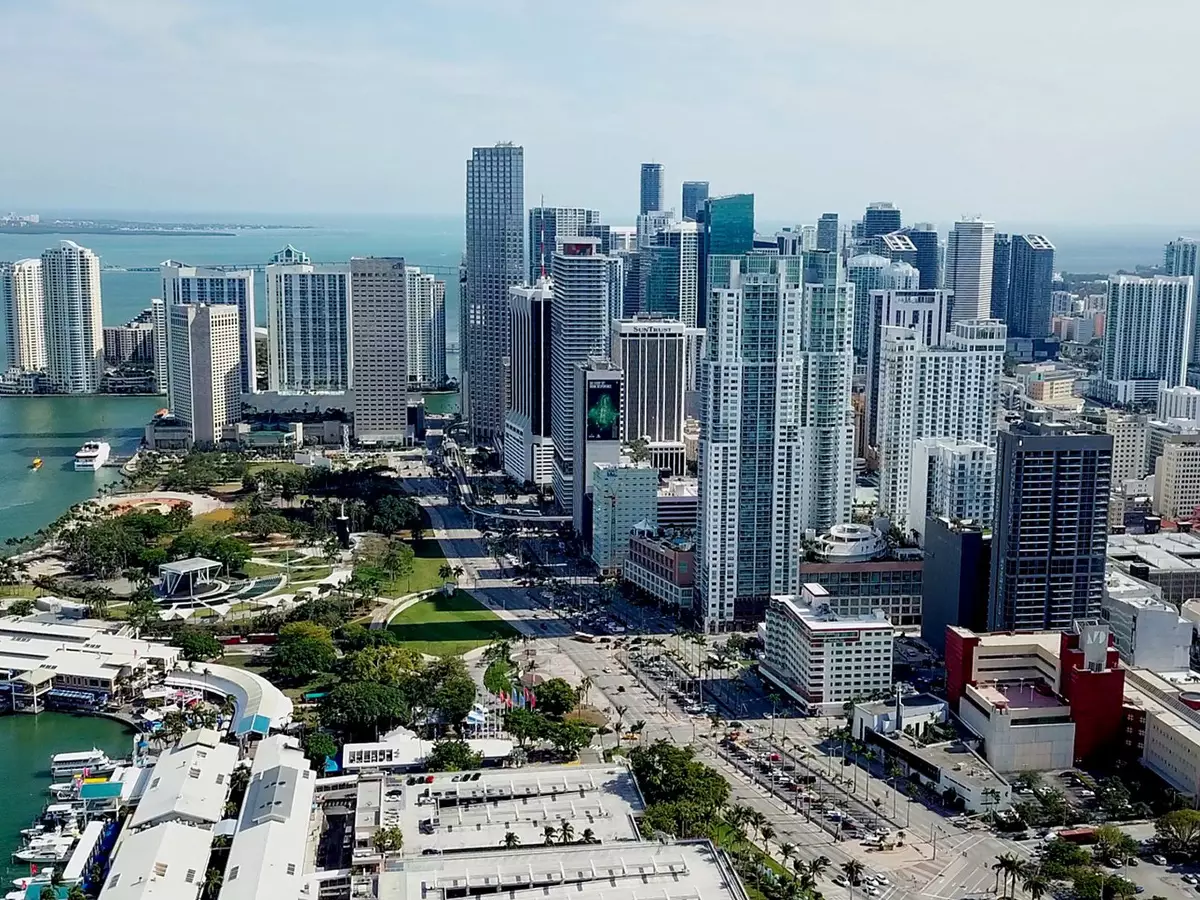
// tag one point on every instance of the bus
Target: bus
(585, 637)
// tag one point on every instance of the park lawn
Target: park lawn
(27, 591)
(212, 519)
(427, 560)
(260, 570)
(449, 626)
(280, 464)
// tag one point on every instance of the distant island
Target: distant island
(33, 224)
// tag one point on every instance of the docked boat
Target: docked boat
(93, 762)
(44, 876)
(48, 849)
(36, 464)
(64, 790)
(92, 456)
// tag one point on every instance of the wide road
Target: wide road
(959, 865)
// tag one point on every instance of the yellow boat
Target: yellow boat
(36, 464)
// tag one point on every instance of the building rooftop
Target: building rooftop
(266, 858)
(260, 705)
(688, 870)
(190, 781)
(453, 816)
(812, 608)
(1049, 641)
(1163, 552)
(912, 703)
(167, 861)
(956, 757)
(1004, 695)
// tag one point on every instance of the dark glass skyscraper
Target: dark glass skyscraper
(495, 261)
(694, 195)
(726, 229)
(549, 225)
(928, 258)
(652, 188)
(1051, 526)
(827, 231)
(880, 218)
(1001, 279)
(1029, 287)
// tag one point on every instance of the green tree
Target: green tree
(452, 756)
(1034, 883)
(361, 709)
(568, 738)
(511, 840)
(196, 644)
(384, 664)
(853, 870)
(524, 725)
(303, 650)
(393, 514)
(455, 697)
(22, 606)
(1179, 830)
(75, 892)
(667, 773)
(1060, 858)
(388, 840)
(142, 613)
(566, 832)
(555, 697)
(319, 747)
(549, 832)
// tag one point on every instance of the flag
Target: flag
(532, 698)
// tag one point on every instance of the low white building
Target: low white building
(267, 856)
(166, 862)
(189, 783)
(623, 495)
(823, 659)
(401, 750)
(911, 714)
(1023, 727)
(1149, 633)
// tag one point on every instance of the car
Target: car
(1189, 878)
(1158, 860)
(1139, 889)
(882, 881)
(841, 881)
(871, 891)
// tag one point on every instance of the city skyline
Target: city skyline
(474, 93)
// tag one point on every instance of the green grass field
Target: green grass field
(449, 626)
(310, 573)
(260, 570)
(427, 560)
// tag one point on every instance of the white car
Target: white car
(871, 890)
(841, 881)
(882, 881)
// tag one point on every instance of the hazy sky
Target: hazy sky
(1064, 111)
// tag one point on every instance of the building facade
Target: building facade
(694, 195)
(528, 442)
(929, 254)
(672, 282)
(1051, 525)
(651, 194)
(970, 250)
(1181, 257)
(624, 495)
(425, 320)
(579, 330)
(191, 284)
(205, 361)
(951, 479)
(309, 346)
(73, 317)
(1030, 283)
(1177, 478)
(934, 392)
(24, 314)
(495, 261)
(662, 566)
(379, 336)
(1147, 335)
(162, 363)
(777, 453)
(549, 226)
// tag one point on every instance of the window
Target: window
(233, 873)
(190, 876)
(291, 868)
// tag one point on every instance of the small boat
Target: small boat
(44, 876)
(36, 464)
(15, 895)
(89, 761)
(64, 790)
(92, 456)
(50, 849)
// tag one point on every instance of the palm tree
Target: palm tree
(549, 831)
(213, 879)
(566, 833)
(817, 867)
(786, 851)
(767, 833)
(588, 836)
(1012, 868)
(511, 840)
(853, 870)
(1035, 884)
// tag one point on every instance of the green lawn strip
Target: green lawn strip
(441, 625)
(281, 465)
(260, 570)
(28, 591)
(427, 560)
(724, 835)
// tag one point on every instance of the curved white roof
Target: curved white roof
(255, 696)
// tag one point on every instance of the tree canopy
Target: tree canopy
(303, 649)
(668, 773)
(555, 697)
(452, 756)
(196, 644)
(360, 709)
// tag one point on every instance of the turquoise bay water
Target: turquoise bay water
(26, 745)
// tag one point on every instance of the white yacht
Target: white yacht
(92, 456)
(49, 849)
(96, 762)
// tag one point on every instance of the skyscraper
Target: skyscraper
(869, 273)
(308, 324)
(1182, 257)
(24, 314)
(597, 432)
(1051, 526)
(652, 188)
(528, 444)
(951, 391)
(495, 261)
(727, 230)
(74, 320)
(205, 359)
(162, 361)
(828, 236)
(694, 195)
(1001, 276)
(672, 287)
(655, 356)
(925, 238)
(880, 218)
(425, 321)
(190, 284)
(1029, 286)
(379, 336)
(1147, 335)
(969, 252)
(651, 224)
(578, 331)
(549, 226)
(926, 312)
(776, 455)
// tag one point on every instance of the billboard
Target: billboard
(603, 411)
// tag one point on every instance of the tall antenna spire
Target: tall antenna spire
(542, 238)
